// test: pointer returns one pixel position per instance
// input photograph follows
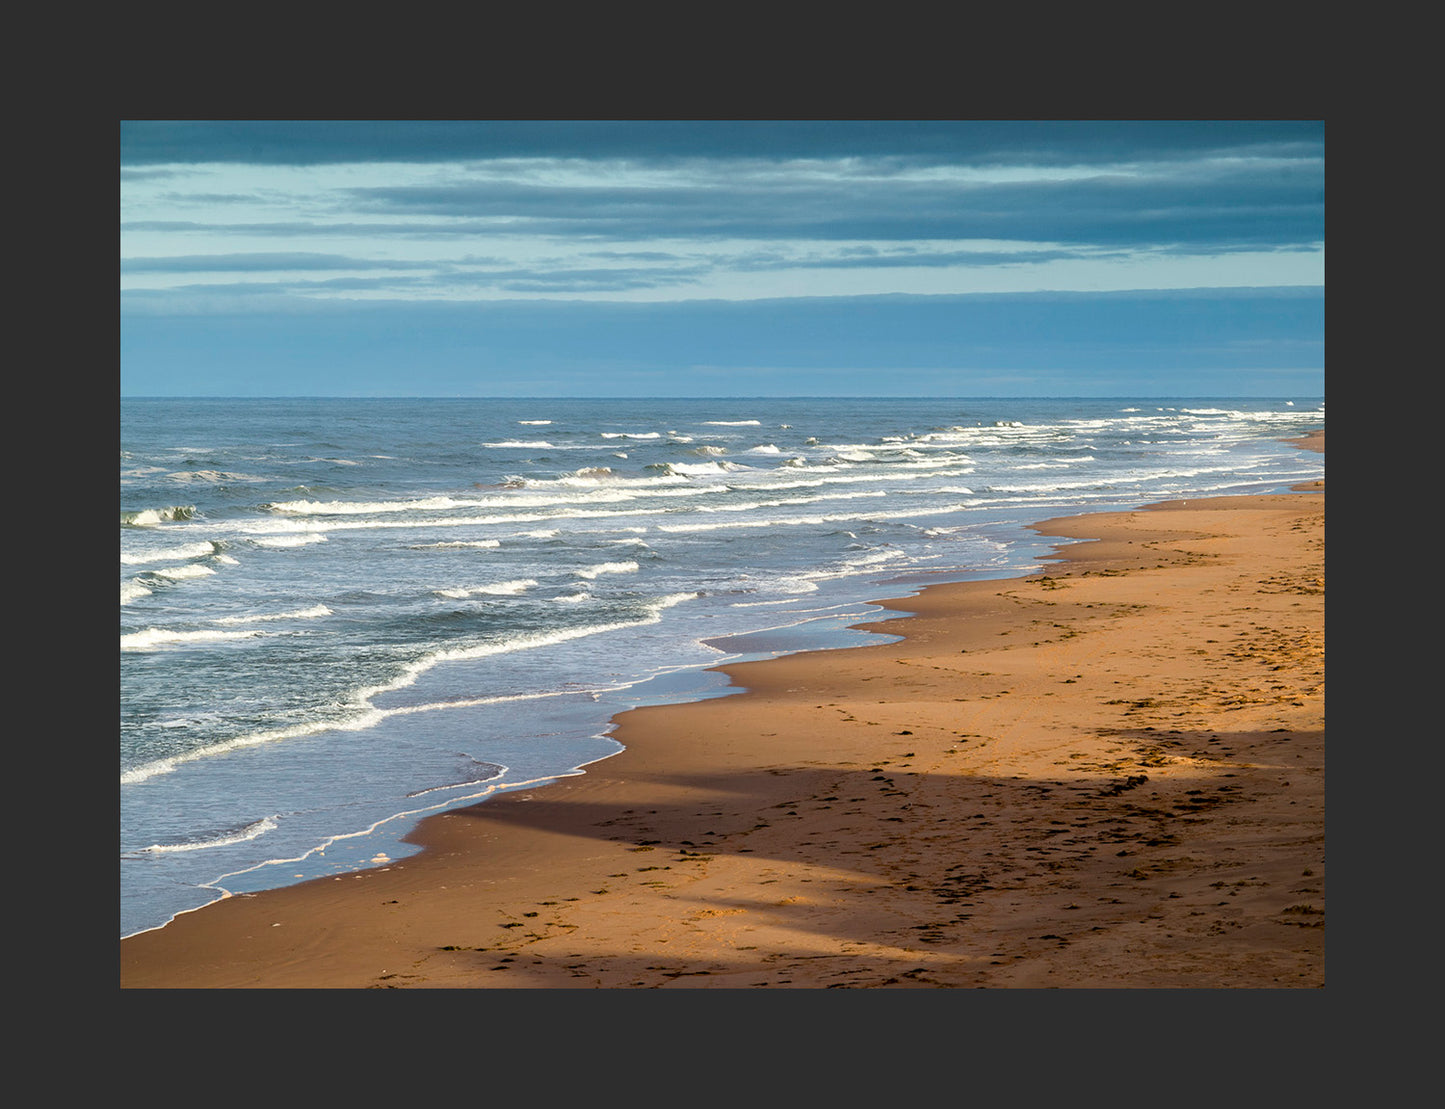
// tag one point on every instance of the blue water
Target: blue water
(341, 615)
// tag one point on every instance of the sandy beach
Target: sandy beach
(1109, 773)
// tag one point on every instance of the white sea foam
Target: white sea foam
(226, 839)
(132, 590)
(570, 498)
(490, 772)
(806, 521)
(705, 469)
(495, 589)
(182, 573)
(750, 506)
(479, 544)
(873, 558)
(359, 720)
(371, 508)
(601, 568)
(152, 639)
(315, 612)
(165, 554)
(295, 540)
(798, 583)
(508, 645)
(154, 517)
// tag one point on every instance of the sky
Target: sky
(722, 258)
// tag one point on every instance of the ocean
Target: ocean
(338, 616)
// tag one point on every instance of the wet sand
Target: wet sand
(1109, 773)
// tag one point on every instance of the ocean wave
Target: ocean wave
(507, 645)
(157, 767)
(210, 477)
(600, 498)
(181, 573)
(702, 469)
(496, 589)
(601, 568)
(733, 423)
(809, 521)
(132, 590)
(792, 477)
(165, 554)
(152, 517)
(223, 839)
(152, 639)
(294, 540)
(474, 774)
(793, 584)
(556, 497)
(872, 558)
(313, 613)
(363, 508)
(779, 502)
(359, 714)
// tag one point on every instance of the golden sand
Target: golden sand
(1106, 774)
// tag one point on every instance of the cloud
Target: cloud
(468, 255)
(1231, 205)
(901, 142)
(257, 261)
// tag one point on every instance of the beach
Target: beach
(1107, 773)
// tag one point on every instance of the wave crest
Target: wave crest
(151, 517)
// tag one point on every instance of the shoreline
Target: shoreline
(1105, 772)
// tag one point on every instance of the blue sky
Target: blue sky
(749, 258)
